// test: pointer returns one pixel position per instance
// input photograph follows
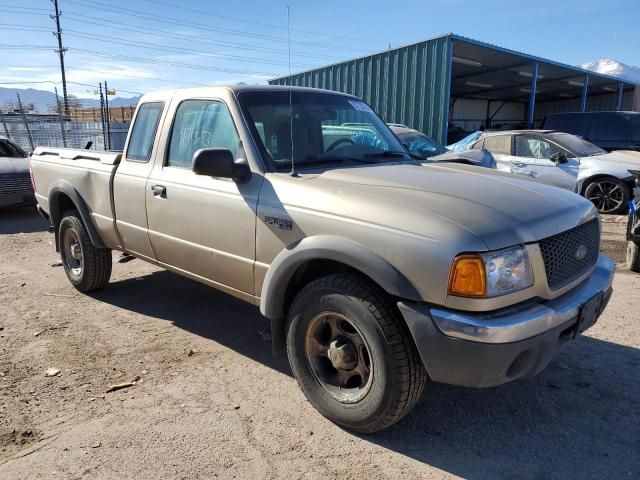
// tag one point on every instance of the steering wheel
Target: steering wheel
(338, 142)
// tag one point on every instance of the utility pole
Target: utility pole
(102, 117)
(60, 118)
(60, 52)
(107, 115)
(26, 123)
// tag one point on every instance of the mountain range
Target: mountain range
(43, 100)
(614, 69)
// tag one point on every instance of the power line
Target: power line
(280, 27)
(114, 75)
(183, 36)
(158, 18)
(164, 48)
(98, 53)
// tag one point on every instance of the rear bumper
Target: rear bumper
(487, 349)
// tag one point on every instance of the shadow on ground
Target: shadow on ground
(21, 220)
(580, 418)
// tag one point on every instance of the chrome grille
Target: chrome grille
(560, 253)
(15, 183)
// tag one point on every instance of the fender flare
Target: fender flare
(328, 247)
(63, 187)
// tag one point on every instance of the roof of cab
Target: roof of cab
(238, 88)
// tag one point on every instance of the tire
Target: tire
(608, 194)
(633, 257)
(387, 356)
(88, 268)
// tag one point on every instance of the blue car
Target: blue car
(423, 147)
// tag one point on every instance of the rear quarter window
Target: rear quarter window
(143, 132)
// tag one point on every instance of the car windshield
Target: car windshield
(578, 145)
(327, 130)
(10, 149)
(420, 145)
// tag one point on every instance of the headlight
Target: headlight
(491, 274)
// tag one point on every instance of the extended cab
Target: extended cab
(376, 271)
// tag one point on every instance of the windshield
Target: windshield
(577, 145)
(327, 129)
(420, 145)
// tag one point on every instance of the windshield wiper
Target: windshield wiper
(387, 153)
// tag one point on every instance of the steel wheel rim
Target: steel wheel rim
(72, 252)
(339, 357)
(606, 196)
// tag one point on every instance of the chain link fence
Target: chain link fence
(31, 131)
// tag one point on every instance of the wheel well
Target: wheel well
(312, 270)
(63, 203)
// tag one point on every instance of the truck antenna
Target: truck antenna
(293, 164)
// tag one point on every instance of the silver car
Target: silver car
(566, 161)
(15, 182)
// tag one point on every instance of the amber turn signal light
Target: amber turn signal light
(467, 277)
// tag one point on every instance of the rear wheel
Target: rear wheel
(352, 354)
(87, 267)
(608, 194)
(633, 257)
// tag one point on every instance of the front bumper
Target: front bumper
(487, 349)
(19, 198)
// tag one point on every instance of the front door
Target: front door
(533, 159)
(203, 226)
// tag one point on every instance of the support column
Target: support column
(585, 90)
(532, 94)
(619, 97)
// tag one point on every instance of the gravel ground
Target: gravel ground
(214, 403)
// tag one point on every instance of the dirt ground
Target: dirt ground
(214, 403)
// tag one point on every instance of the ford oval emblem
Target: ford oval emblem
(581, 252)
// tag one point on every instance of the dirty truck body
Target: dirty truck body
(377, 272)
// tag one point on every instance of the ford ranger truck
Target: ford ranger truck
(378, 273)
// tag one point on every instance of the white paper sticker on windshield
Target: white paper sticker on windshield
(361, 106)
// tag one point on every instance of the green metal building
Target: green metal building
(455, 81)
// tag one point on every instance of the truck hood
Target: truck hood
(499, 208)
(13, 165)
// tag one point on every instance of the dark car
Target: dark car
(15, 181)
(608, 130)
(426, 148)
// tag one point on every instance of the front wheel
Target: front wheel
(633, 257)
(88, 268)
(608, 194)
(352, 354)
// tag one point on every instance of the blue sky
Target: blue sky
(140, 45)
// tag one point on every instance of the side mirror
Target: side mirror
(219, 162)
(559, 157)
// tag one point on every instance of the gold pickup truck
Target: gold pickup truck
(378, 271)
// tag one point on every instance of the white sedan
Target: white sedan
(566, 161)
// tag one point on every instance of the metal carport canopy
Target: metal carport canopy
(488, 72)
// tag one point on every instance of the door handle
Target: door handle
(519, 164)
(159, 191)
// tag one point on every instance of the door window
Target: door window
(532, 147)
(143, 132)
(498, 144)
(200, 124)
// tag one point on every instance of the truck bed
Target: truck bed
(88, 172)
